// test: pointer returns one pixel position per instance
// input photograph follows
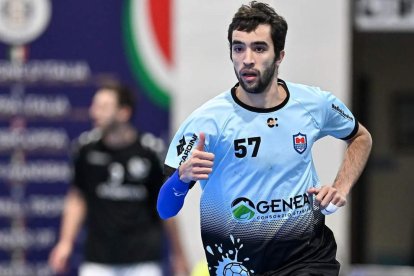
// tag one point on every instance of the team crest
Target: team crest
(300, 142)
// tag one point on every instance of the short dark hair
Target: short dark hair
(124, 94)
(250, 16)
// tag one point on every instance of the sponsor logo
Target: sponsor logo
(178, 193)
(22, 21)
(244, 209)
(139, 168)
(40, 171)
(117, 189)
(180, 146)
(188, 149)
(98, 158)
(342, 113)
(300, 142)
(272, 122)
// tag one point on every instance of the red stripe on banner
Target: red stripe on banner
(160, 13)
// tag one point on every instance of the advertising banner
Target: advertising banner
(53, 56)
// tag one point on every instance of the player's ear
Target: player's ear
(280, 58)
(124, 114)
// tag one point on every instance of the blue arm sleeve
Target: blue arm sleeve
(171, 196)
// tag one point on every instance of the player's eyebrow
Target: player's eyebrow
(256, 43)
(238, 42)
(260, 43)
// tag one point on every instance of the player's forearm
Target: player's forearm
(178, 258)
(171, 196)
(174, 237)
(356, 157)
(73, 215)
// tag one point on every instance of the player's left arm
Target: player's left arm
(178, 260)
(356, 156)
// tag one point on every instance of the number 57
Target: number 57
(241, 149)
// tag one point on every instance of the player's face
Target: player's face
(104, 109)
(254, 59)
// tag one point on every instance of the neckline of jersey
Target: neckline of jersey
(124, 148)
(258, 109)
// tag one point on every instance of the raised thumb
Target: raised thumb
(201, 142)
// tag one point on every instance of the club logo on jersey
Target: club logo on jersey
(300, 142)
(180, 146)
(272, 122)
(243, 209)
(139, 168)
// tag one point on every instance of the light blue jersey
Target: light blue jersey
(257, 192)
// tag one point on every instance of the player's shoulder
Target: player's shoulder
(151, 143)
(217, 103)
(312, 98)
(306, 92)
(86, 141)
(88, 138)
(217, 108)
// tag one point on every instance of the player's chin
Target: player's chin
(98, 124)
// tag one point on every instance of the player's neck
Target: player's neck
(120, 136)
(272, 96)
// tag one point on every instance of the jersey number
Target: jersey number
(241, 149)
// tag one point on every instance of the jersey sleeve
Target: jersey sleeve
(172, 193)
(187, 137)
(337, 120)
(77, 169)
(78, 152)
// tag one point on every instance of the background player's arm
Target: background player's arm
(73, 215)
(179, 261)
(356, 156)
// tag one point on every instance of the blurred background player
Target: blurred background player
(116, 180)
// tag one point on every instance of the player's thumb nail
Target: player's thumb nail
(201, 142)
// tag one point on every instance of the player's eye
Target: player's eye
(238, 48)
(260, 49)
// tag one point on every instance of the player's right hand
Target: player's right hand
(199, 165)
(59, 256)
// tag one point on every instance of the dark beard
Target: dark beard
(263, 82)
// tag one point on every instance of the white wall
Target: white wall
(317, 53)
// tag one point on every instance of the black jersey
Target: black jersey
(120, 188)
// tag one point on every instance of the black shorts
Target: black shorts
(315, 269)
(318, 258)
